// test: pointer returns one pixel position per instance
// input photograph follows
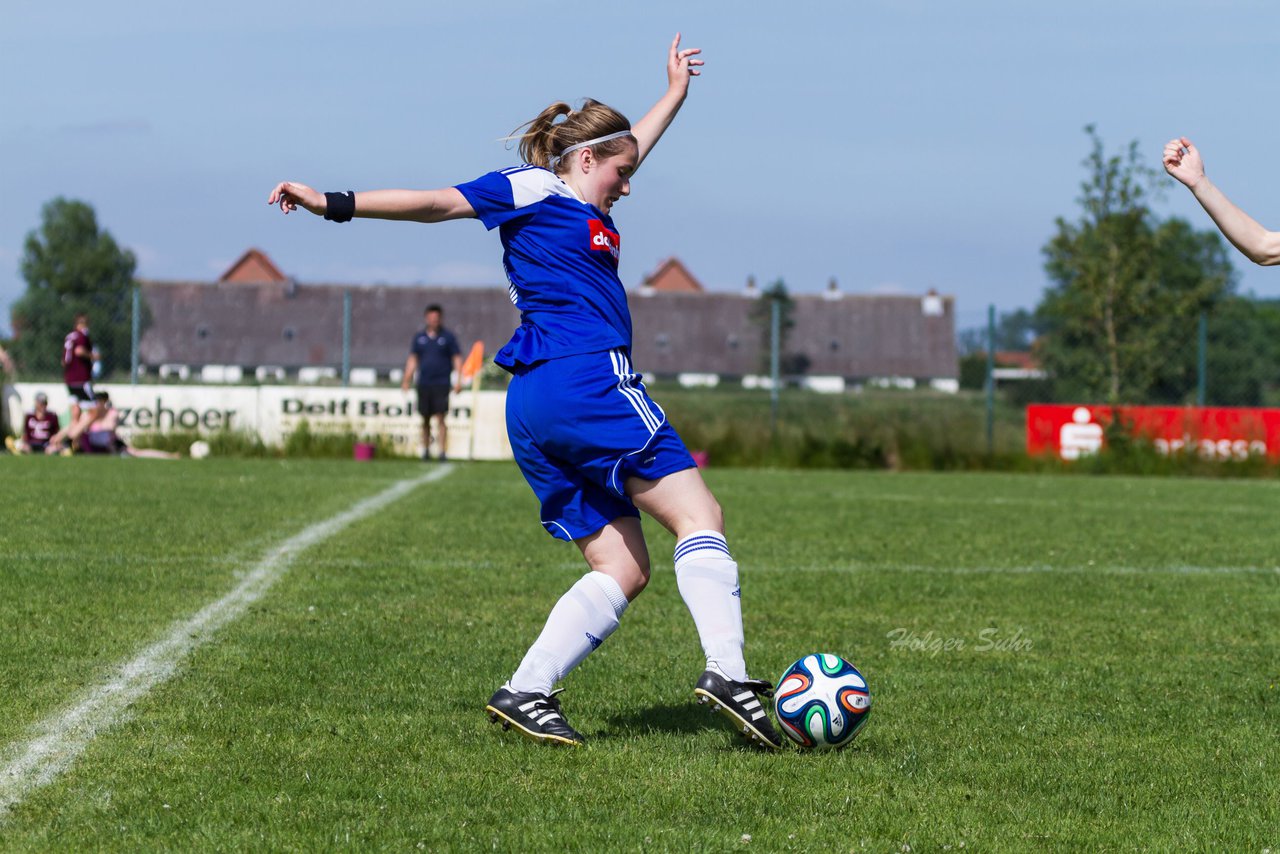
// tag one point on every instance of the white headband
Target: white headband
(619, 135)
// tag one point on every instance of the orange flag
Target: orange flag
(474, 361)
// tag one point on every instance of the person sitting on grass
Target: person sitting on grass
(95, 433)
(39, 427)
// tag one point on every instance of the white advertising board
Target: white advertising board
(476, 421)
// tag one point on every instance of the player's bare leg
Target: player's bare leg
(619, 551)
(152, 454)
(680, 501)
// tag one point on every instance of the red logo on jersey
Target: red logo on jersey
(603, 239)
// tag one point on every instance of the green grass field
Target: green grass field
(1055, 662)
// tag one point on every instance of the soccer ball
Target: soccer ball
(822, 701)
(199, 449)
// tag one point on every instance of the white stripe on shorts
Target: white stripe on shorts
(622, 370)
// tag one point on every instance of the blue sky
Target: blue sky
(897, 146)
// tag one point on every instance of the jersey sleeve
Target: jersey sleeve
(500, 197)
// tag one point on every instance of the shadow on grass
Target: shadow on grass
(675, 719)
(667, 718)
(662, 718)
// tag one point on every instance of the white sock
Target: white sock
(708, 580)
(585, 615)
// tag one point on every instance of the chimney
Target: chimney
(931, 305)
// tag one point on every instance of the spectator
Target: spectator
(6, 373)
(40, 427)
(434, 354)
(94, 432)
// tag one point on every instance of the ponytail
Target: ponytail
(537, 143)
(543, 139)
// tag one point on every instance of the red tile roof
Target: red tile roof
(253, 267)
(673, 277)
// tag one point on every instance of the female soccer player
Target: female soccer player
(1182, 161)
(591, 443)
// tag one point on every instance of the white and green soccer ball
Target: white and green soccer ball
(822, 701)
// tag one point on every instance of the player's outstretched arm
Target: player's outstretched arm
(412, 205)
(1182, 161)
(681, 65)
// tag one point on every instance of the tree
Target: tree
(72, 267)
(1196, 276)
(1243, 352)
(789, 364)
(1128, 289)
(1015, 331)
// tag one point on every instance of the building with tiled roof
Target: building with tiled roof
(670, 277)
(255, 317)
(255, 268)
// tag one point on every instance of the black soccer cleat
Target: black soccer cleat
(537, 716)
(740, 703)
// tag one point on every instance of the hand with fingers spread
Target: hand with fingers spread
(290, 196)
(681, 65)
(1182, 161)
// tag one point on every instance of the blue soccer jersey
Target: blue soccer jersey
(561, 259)
(435, 356)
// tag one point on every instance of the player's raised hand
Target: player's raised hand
(290, 196)
(681, 65)
(1182, 161)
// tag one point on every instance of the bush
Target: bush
(224, 443)
(917, 431)
(869, 430)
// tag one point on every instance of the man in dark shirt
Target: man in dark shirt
(39, 428)
(77, 364)
(435, 355)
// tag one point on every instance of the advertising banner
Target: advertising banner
(476, 421)
(1216, 433)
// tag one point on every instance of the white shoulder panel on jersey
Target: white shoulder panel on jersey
(532, 184)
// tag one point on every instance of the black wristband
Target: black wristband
(340, 207)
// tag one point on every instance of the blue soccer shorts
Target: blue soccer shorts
(580, 426)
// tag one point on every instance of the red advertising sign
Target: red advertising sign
(1220, 433)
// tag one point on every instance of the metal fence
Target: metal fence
(1226, 355)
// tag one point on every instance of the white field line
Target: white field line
(59, 739)
(1035, 569)
(476, 565)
